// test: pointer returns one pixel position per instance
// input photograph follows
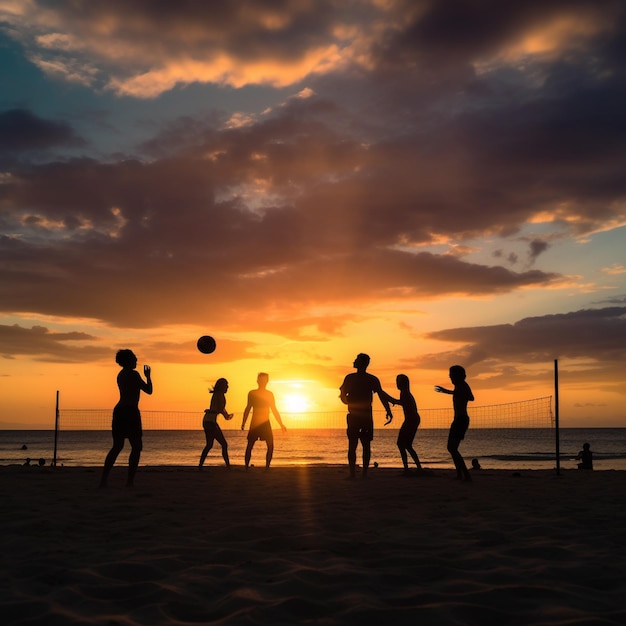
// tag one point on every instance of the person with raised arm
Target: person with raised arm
(126, 416)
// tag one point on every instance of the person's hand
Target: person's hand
(229, 416)
(439, 389)
(389, 418)
(243, 425)
(146, 370)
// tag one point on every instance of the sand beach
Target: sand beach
(306, 545)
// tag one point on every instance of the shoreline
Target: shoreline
(517, 450)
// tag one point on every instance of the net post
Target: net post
(556, 417)
(56, 430)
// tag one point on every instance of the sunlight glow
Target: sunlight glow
(295, 403)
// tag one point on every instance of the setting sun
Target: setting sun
(295, 403)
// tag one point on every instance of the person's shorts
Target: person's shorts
(262, 431)
(210, 427)
(126, 422)
(406, 434)
(458, 428)
(360, 426)
(210, 417)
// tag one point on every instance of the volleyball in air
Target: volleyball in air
(206, 344)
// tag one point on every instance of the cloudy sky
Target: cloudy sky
(431, 182)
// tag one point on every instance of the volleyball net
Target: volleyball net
(534, 413)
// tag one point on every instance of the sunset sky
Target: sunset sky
(430, 182)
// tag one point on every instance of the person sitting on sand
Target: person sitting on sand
(212, 430)
(586, 457)
(476, 464)
(126, 415)
(357, 391)
(261, 402)
(406, 435)
(461, 395)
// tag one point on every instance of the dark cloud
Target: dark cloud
(595, 335)
(43, 344)
(89, 236)
(443, 128)
(537, 247)
(22, 131)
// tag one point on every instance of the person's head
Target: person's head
(402, 382)
(457, 374)
(221, 386)
(262, 379)
(586, 446)
(362, 361)
(126, 358)
(475, 464)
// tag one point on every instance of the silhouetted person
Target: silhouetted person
(261, 402)
(357, 391)
(406, 435)
(476, 464)
(126, 415)
(212, 430)
(586, 457)
(27, 462)
(41, 462)
(461, 395)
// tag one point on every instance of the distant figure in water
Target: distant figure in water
(27, 462)
(126, 415)
(476, 464)
(410, 424)
(261, 402)
(586, 458)
(357, 391)
(461, 395)
(212, 430)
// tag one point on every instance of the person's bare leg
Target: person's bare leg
(269, 454)
(403, 456)
(352, 445)
(248, 453)
(133, 459)
(462, 472)
(207, 448)
(367, 453)
(118, 446)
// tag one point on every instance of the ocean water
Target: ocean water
(510, 448)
